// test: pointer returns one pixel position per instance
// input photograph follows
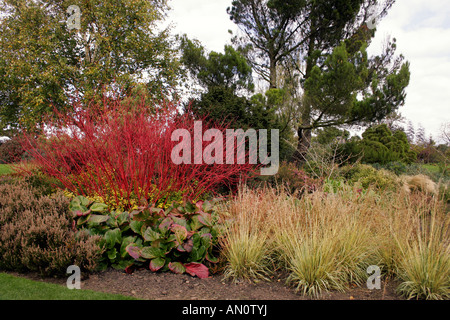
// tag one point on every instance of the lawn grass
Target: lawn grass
(15, 288)
(431, 167)
(5, 169)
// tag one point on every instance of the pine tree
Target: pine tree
(324, 43)
(410, 132)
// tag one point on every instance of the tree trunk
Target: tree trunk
(304, 130)
(304, 133)
(273, 74)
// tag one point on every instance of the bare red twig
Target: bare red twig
(122, 150)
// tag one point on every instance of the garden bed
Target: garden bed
(144, 284)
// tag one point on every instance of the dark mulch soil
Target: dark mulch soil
(144, 284)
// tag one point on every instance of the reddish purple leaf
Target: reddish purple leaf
(199, 204)
(165, 224)
(133, 251)
(197, 269)
(78, 213)
(188, 245)
(130, 269)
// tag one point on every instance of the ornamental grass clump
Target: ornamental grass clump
(246, 244)
(326, 241)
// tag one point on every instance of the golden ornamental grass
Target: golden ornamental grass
(326, 241)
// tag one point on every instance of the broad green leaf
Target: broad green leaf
(180, 232)
(157, 264)
(152, 253)
(165, 224)
(123, 218)
(191, 208)
(180, 221)
(83, 201)
(177, 267)
(140, 215)
(212, 258)
(151, 235)
(112, 254)
(95, 218)
(195, 224)
(205, 218)
(136, 226)
(82, 220)
(99, 207)
(207, 206)
(112, 237)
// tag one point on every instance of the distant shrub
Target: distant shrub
(36, 233)
(380, 145)
(11, 151)
(368, 176)
(294, 179)
(396, 167)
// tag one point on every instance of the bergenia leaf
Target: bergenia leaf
(199, 204)
(96, 218)
(188, 245)
(151, 235)
(180, 232)
(151, 253)
(205, 219)
(157, 264)
(134, 251)
(165, 224)
(211, 258)
(177, 267)
(98, 207)
(197, 269)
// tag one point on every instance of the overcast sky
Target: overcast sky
(422, 30)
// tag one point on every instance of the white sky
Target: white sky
(422, 30)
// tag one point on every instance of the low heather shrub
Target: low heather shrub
(36, 233)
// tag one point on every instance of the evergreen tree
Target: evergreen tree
(324, 43)
(410, 132)
(380, 145)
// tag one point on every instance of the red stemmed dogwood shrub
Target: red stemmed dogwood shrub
(121, 151)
